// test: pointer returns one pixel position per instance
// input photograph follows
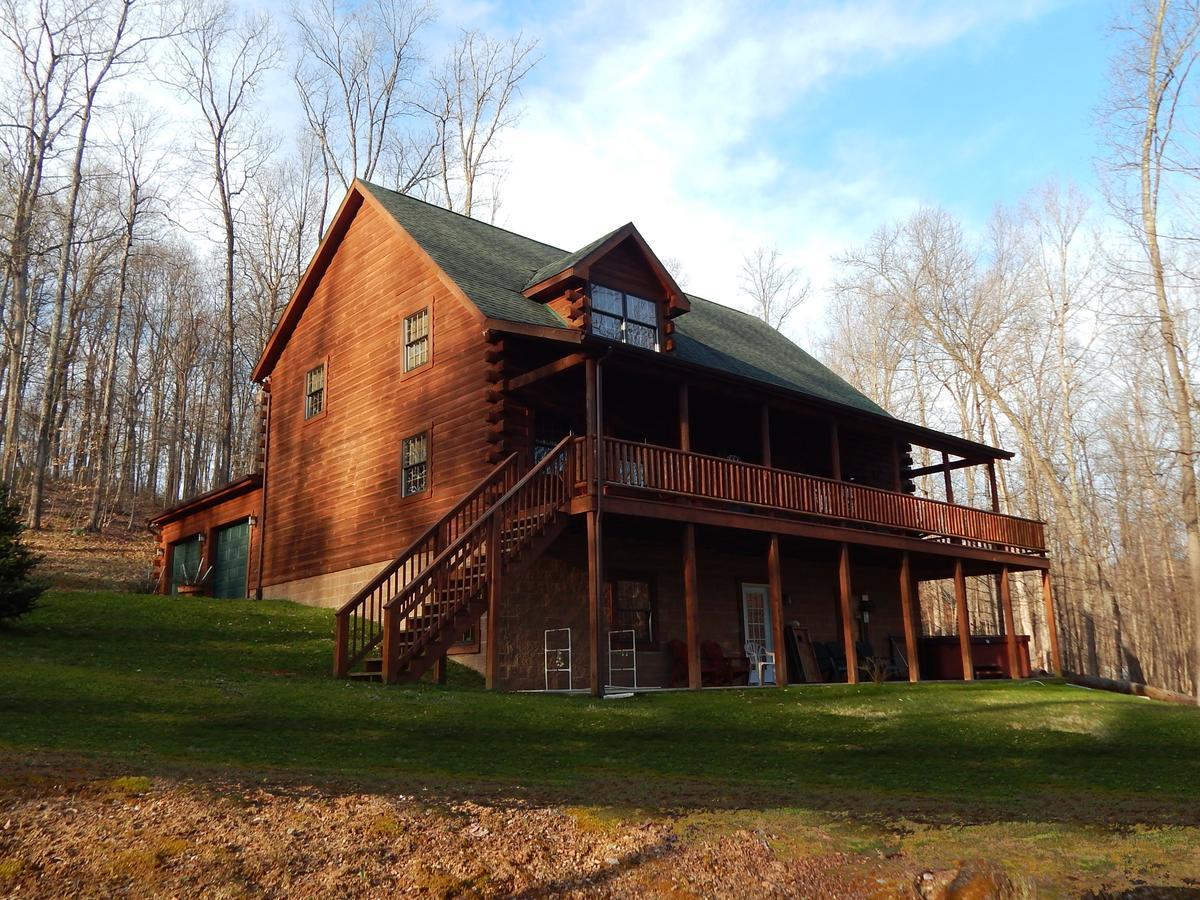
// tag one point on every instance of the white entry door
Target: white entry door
(756, 620)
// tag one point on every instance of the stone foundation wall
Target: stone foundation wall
(330, 590)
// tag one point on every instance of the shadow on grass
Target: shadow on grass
(204, 688)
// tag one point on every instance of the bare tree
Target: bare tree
(1150, 138)
(36, 111)
(473, 103)
(110, 43)
(134, 196)
(773, 287)
(355, 76)
(219, 65)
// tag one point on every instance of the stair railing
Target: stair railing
(358, 624)
(459, 575)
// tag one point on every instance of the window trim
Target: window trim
(647, 578)
(405, 371)
(321, 363)
(409, 310)
(625, 318)
(465, 648)
(427, 430)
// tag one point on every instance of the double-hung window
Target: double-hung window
(633, 609)
(414, 464)
(314, 392)
(416, 340)
(624, 317)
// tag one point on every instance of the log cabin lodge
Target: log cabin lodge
(567, 473)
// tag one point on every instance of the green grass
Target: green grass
(171, 684)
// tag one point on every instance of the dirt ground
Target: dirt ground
(119, 557)
(73, 831)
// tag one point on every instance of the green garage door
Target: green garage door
(185, 560)
(233, 552)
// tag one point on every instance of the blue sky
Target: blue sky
(721, 126)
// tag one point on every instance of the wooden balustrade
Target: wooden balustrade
(666, 470)
(358, 626)
(426, 606)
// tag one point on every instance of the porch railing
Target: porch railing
(650, 467)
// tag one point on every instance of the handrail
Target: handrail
(354, 639)
(431, 530)
(458, 544)
(461, 571)
(669, 470)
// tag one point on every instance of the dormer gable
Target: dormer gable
(615, 288)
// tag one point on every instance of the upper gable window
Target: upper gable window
(314, 392)
(416, 340)
(624, 317)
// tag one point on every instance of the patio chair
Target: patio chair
(715, 668)
(760, 657)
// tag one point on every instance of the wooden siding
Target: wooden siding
(334, 483)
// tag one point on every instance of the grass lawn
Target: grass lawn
(243, 685)
(154, 685)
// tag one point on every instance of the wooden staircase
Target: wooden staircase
(423, 601)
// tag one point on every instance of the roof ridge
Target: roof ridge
(446, 209)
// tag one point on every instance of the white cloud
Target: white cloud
(668, 115)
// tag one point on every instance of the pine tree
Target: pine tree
(18, 592)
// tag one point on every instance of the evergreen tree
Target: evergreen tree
(18, 592)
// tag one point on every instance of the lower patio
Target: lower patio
(543, 630)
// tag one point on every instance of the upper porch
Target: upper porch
(660, 439)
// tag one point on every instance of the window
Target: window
(633, 608)
(623, 317)
(414, 464)
(314, 392)
(416, 340)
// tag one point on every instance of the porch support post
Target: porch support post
(1010, 626)
(439, 670)
(691, 601)
(685, 421)
(847, 621)
(390, 653)
(495, 567)
(592, 401)
(1051, 624)
(897, 482)
(595, 601)
(775, 587)
(835, 452)
(992, 485)
(907, 598)
(964, 621)
(595, 528)
(946, 477)
(766, 435)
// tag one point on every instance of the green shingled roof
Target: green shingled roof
(565, 262)
(493, 266)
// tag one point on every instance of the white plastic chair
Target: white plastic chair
(760, 657)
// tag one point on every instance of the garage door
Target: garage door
(233, 552)
(185, 560)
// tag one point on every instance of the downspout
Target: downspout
(262, 515)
